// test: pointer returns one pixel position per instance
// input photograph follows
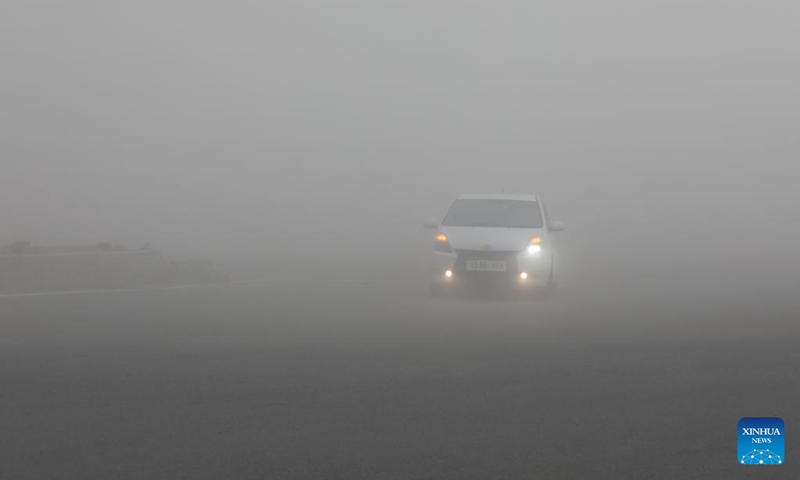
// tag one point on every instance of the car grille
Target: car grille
(512, 270)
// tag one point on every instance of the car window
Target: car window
(493, 213)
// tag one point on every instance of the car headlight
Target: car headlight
(442, 243)
(535, 246)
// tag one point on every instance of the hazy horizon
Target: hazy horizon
(327, 133)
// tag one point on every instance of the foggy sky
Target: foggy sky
(318, 130)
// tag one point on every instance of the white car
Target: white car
(488, 240)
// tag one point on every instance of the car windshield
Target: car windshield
(493, 213)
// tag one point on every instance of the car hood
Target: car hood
(490, 238)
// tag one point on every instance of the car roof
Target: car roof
(498, 196)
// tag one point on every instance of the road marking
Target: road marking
(108, 290)
(177, 287)
(299, 280)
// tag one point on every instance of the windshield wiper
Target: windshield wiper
(488, 225)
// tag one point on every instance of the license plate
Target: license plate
(486, 266)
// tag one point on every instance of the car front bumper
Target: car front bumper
(450, 269)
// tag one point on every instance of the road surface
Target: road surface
(312, 380)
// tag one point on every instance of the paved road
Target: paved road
(373, 381)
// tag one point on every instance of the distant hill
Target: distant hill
(28, 268)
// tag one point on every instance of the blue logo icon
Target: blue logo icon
(761, 441)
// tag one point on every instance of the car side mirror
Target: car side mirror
(431, 223)
(557, 226)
